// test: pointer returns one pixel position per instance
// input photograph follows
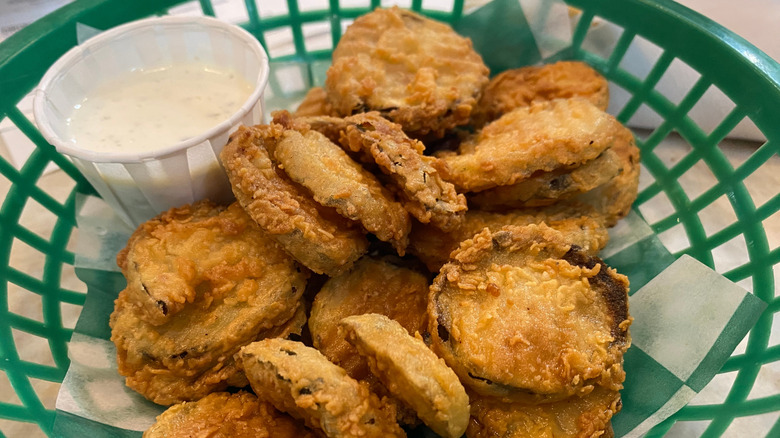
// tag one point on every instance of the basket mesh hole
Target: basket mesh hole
(59, 185)
(271, 9)
(762, 184)
(656, 208)
(317, 36)
(438, 5)
(774, 335)
(9, 395)
(717, 215)
(280, 42)
(772, 228)
(232, 11)
(25, 303)
(602, 37)
(711, 109)
(716, 391)
(618, 96)
(746, 283)
(731, 254)
(767, 381)
(738, 151)
(345, 24)
(46, 391)
(400, 3)
(313, 5)
(38, 219)
(672, 150)
(675, 239)
(756, 425)
(69, 280)
(70, 314)
(677, 80)
(645, 117)
(640, 57)
(645, 178)
(689, 429)
(697, 180)
(27, 259)
(32, 348)
(291, 79)
(347, 4)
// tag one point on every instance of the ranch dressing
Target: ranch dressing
(145, 110)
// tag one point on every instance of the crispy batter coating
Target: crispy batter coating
(575, 417)
(301, 381)
(580, 227)
(417, 72)
(411, 372)
(191, 354)
(522, 314)
(542, 137)
(614, 198)
(186, 252)
(373, 285)
(225, 415)
(336, 180)
(548, 187)
(427, 196)
(315, 103)
(523, 86)
(314, 235)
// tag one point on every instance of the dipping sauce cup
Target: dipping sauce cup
(144, 109)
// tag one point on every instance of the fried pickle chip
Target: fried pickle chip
(417, 72)
(588, 416)
(225, 415)
(522, 314)
(191, 354)
(543, 137)
(315, 103)
(523, 86)
(373, 285)
(335, 180)
(614, 198)
(186, 252)
(427, 196)
(578, 223)
(411, 372)
(546, 188)
(318, 237)
(301, 381)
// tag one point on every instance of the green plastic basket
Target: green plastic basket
(722, 61)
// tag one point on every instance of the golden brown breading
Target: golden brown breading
(410, 371)
(579, 224)
(315, 103)
(427, 196)
(546, 188)
(523, 86)
(588, 416)
(299, 380)
(540, 138)
(336, 180)
(225, 415)
(417, 72)
(522, 314)
(190, 355)
(314, 235)
(614, 198)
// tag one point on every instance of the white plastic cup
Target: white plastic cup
(139, 185)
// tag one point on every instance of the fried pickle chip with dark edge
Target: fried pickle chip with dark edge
(316, 236)
(411, 372)
(191, 354)
(426, 195)
(543, 137)
(588, 416)
(335, 180)
(225, 415)
(417, 72)
(520, 313)
(301, 381)
(546, 188)
(315, 103)
(579, 224)
(523, 86)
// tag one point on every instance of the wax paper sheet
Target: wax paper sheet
(688, 319)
